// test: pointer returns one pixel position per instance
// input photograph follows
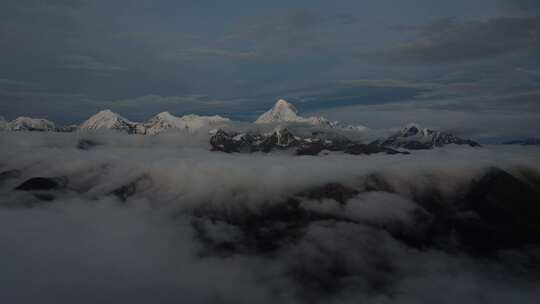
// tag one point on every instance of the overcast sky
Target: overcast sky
(464, 64)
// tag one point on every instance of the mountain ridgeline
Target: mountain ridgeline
(325, 135)
(281, 139)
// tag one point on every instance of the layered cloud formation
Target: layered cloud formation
(163, 219)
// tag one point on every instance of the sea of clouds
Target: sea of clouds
(209, 227)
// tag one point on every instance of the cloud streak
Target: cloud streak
(451, 41)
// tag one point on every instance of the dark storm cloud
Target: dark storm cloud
(450, 41)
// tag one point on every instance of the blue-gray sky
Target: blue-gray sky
(470, 65)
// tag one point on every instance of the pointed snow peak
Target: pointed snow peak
(107, 119)
(282, 111)
(282, 104)
(106, 112)
(285, 112)
(105, 115)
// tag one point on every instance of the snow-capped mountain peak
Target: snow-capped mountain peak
(160, 123)
(285, 112)
(411, 129)
(282, 111)
(165, 120)
(31, 124)
(108, 119)
(284, 105)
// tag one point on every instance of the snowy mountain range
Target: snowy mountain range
(282, 114)
(108, 120)
(165, 120)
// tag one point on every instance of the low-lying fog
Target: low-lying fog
(162, 219)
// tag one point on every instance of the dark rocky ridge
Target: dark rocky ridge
(283, 139)
(413, 137)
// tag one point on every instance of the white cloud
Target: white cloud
(89, 246)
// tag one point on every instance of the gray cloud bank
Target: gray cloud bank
(204, 227)
(452, 41)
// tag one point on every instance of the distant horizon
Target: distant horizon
(460, 64)
(253, 117)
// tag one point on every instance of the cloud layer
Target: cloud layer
(207, 227)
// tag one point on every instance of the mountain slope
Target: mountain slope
(30, 124)
(414, 137)
(282, 111)
(108, 120)
(285, 112)
(164, 121)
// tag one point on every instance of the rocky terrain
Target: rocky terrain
(414, 137)
(284, 140)
(281, 139)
